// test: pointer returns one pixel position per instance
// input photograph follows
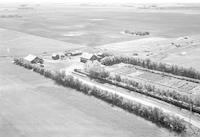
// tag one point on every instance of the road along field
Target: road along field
(144, 100)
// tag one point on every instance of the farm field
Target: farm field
(33, 106)
(13, 43)
(163, 82)
(100, 25)
(183, 51)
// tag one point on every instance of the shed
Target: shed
(34, 59)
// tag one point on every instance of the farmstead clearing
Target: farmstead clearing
(77, 46)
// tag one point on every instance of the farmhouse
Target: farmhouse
(86, 56)
(33, 59)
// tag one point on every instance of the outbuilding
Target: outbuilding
(73, 53)
(76, 53)
(34, 59)
(87, 56)
(57, 56)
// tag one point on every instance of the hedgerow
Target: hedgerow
(170, 96)
(147, 63)
(153, 114)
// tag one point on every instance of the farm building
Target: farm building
(73, 53)
(86, 56)
(100, 56)
(68, 53)
(34, 59)
(76, 53)
(57, 56)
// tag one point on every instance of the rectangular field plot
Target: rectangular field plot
(181, 85)
(177, 84)
(122, 69)
(151, 76)
(161, 81)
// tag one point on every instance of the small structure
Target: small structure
(68, 53)
(73, 53)
(34, 59)
(76, 53)
(86, 56)
(57, 56)
(61, 55)
(100, 56)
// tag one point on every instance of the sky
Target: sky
(100, 1)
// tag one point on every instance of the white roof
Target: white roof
(76, 51)
(30, 57)
(54, 54)
(99, 53)
(87, 55)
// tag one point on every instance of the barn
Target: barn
(87, 56)
(34, 59)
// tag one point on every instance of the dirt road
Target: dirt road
(194, 119)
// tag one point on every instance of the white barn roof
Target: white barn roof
(30, 57)
(87, 55)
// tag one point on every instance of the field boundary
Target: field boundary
(154, 114)
(172, 101)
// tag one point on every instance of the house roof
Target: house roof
(99, 53)
(76, 52)
(87, 55)
(30, 57)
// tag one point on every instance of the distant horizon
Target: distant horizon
(104, 1)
